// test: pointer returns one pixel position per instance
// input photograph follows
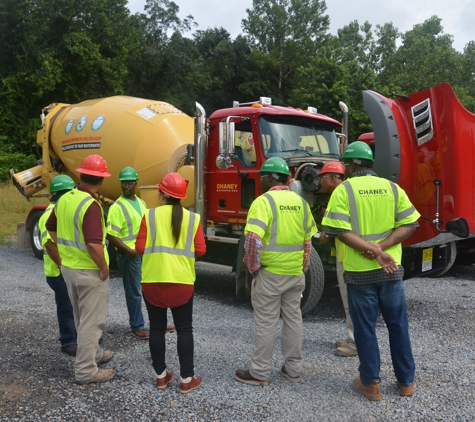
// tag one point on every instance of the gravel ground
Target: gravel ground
(37, 381)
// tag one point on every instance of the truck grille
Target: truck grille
(422, 118)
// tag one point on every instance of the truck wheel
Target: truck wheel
(35, 237)
(314, 283)
(451, 255)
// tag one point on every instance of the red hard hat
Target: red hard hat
(94, 165)
(173, 185)
(333, 167)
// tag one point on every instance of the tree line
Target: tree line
(72, 50)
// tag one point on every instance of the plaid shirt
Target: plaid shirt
(253, 245)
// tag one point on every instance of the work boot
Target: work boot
(346, 351)
(141, 334)
(101, 376)
(406, 390)
(106, 357)
(190, 383)
(245, 376)
(286, 375)
(70, 349)
(164, 379)
(371, 392)
(342, 343)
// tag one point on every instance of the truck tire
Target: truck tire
(314, 283)
(35, 238)
(452, 254)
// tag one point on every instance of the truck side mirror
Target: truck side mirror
(223, 161)
(226, 137)
(458, 227)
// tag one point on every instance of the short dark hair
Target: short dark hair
(281, 178)
(91, 180)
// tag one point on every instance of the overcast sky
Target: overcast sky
(458, 16)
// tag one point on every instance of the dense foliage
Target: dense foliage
(71, 50)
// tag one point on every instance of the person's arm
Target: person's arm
(120, 245)
(307, 253)
(397, 236)
(252, 248)
(51, 226)
(96, 252)
(53, 252)
(386, 261)
(200, 243)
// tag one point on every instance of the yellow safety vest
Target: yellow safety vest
(123, 221)
(50, 268)
(283, 220)
(70, 211)
(163, 261)
(371, 207)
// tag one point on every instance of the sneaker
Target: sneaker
(163, 382)
(346, 351)
(245, 376)
(141, 334)
(286, 375)
(106, 357)
(406, 390)
(70, 349)
(101, 376)
(193, 383)
(371, 392)
(170, 329)
(342, 343)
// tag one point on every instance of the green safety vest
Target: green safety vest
(70, 211)
(371, 207)
(283, 220)
(50, 268)
(163, 261)
(123, 221)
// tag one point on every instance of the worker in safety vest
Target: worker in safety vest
(52, 264)
(170, 238)
(372, 216)
(277, 247)
(123, 223)
(78, 228)
(331, 176)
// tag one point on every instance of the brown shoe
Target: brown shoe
(245, 376)
(342, 343)
(106, 357)
(167, 379)
(170, 329)
(286, 375)
(406, 390)
(346, 351)
(371, 392)
(141, 334)
(193, 384)
(101, 376)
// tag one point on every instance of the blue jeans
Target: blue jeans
(131, 276)
(183, 320)
(364, 300)
(64, 310)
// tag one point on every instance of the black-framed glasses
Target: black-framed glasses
(129, 183)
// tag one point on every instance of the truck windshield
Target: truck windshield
(287, 136)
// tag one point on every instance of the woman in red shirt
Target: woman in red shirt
(170, 238)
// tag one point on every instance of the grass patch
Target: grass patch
(14, 209)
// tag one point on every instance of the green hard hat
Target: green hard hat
(358, 150)
(275, 165)
(128, 173)
(61, 182)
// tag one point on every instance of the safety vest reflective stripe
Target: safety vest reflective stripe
(337, 216)
(396, 198)
(272, 246)
(76, 243)
(128, 220)
(258, 223)
(188, 252)
(403, 214)
(355, 224)
(114, 227)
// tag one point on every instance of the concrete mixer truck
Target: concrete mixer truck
(220, 156)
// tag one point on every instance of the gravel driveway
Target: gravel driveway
(37, 381)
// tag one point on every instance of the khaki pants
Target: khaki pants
(89, 297)
(273, 295)
(344, 297)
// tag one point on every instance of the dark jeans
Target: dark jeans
(64, 310)
(131, 270)
(183, 320)
(364, 301)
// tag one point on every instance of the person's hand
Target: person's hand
(132, 253)
(323, 238)
(387, 262)
(370, 254)
(104, 274)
